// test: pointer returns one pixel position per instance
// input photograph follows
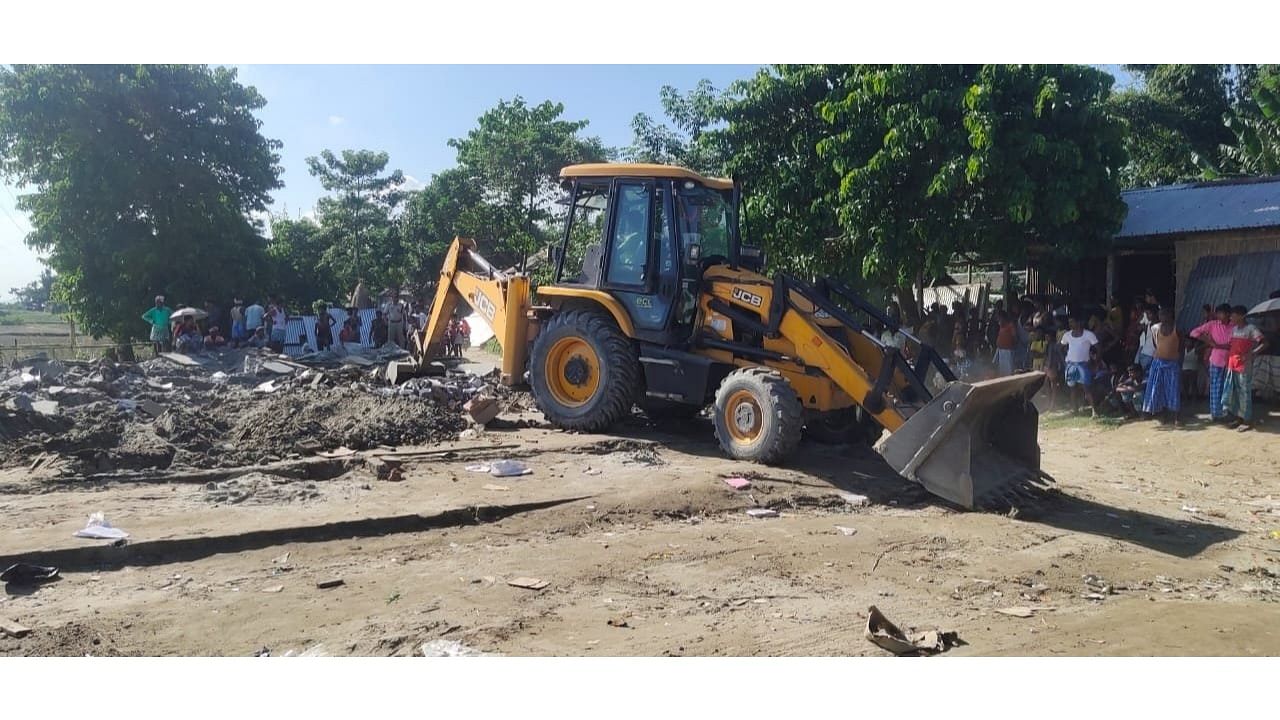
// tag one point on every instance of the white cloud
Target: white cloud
(412, 183)
(336, 120)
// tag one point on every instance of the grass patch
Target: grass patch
(19, 316)
(1059, 420)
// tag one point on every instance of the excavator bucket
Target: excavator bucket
(974, 444)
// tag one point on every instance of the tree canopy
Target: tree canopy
(687, 140)
(141, 179)
(514, 156)
(888, 172)
(356, 221)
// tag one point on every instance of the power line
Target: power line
(8, 214)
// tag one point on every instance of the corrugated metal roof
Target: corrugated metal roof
(1237, 279)
(1202, 207)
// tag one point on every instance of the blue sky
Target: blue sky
(411, 112)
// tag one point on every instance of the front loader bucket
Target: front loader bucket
(973, 443)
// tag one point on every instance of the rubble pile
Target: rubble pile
(228, 409)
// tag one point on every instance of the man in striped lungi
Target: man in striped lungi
(1216, 334)
(1164, 378)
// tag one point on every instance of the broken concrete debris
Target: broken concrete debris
(482, 409)
(528, 583)
(888, 636)
(13, 629)
(202, 411)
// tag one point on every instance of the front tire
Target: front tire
(583, 371)
(758, 415)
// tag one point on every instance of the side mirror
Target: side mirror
(693, 252)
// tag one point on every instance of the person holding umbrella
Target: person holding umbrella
(158, 317)
(186, 336)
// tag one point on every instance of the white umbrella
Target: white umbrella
(1272, 305)
(196, 313)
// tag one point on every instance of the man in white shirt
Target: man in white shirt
(1079, 342)
(393, 310)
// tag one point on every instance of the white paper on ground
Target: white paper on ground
(99, 529)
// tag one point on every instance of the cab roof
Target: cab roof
(647, 170)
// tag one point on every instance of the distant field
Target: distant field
(20, 316)
(24, 333)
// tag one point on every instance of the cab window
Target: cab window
(631, 234)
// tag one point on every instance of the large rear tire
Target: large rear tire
(583, 371)
(758, 415)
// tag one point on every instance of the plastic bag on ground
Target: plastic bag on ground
(509, 468)
(99, 529)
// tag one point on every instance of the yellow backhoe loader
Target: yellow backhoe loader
(655, 302)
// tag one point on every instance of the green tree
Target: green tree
(356, 222)
(771, 135)
(142, 179)
(687, 141)
(1256, 126)
(296, 253)
(37, 293)
(514, 156)
(983, 161)
(451, 205)
(1175, 115)
(884, 174)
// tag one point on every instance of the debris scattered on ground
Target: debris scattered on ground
(1023, 611)
(762, 512)
(99, 529)
(202, 411)
(528, 583)
(13, 629)
(448, 648)
(27, 574)
(846, 531)
(618, 622)
(482, 409)
(329, 583)
(737, 483)
(273, 589)
(497, 488)
(886, 635)
(855, 499)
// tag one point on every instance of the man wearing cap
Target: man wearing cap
(158, 318)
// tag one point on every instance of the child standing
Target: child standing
(1216, 334)
(1077, 373)
(1163, 392)
(1237, 387)
(1039, 346)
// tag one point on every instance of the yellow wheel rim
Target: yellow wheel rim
(572, 371)
(743, 417)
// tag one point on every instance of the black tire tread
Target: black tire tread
(619, 357)
(781, 400)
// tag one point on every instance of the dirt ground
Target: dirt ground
(1155, 542)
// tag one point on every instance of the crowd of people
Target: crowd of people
(1135, 364)
(190, 329)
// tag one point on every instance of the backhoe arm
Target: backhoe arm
(501, 298)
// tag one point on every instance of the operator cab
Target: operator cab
(645, 234)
